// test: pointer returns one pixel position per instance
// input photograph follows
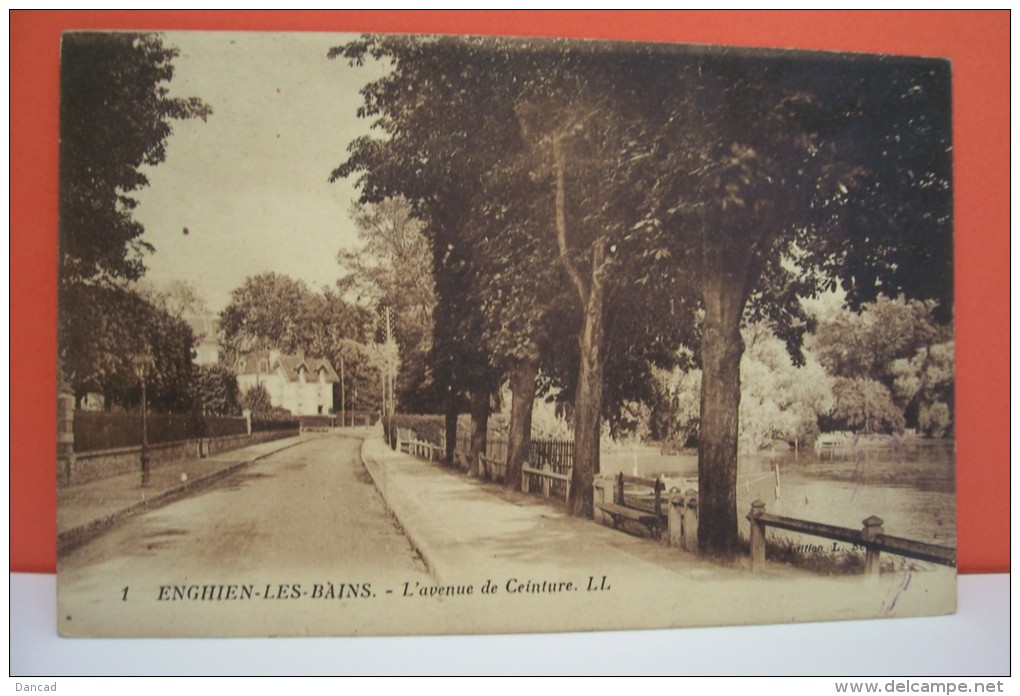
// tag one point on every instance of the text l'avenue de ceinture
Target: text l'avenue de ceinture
(365, 590)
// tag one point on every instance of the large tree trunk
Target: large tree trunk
(479, 430)
(522, 402)
(724, 286)
(588, 398)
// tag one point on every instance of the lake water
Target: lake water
(910, 486)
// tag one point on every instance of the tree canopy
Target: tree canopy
(271, 311)
(115, 118)
(728, 184)
(393, 269)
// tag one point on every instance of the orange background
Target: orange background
(977, 43)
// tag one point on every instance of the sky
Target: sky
(251, 185)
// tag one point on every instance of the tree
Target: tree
(436, 156)
(745, 181)
(528, 174)
(257, 400)
(778, 399)
(264, 313)
(217, 390)
(393, 268)
(897, 343)
(105, 328)
(866, 343)
(178, 298)
(866, 406)
(925, 383)
(275, 312)
(788, 174)
(115, 116)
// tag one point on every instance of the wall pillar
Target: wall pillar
(65, 435)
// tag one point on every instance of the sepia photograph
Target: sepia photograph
(415, 334)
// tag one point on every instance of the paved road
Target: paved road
(306, 523)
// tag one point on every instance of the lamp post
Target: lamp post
(141, 363)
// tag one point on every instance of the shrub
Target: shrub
(431, 428)
(274, 420)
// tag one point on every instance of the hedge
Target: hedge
(430, 428)
(273, 421)
(102, 430)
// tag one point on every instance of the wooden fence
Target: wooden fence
(552, 457)
(547, 470)
(871, 537)
(495, 446)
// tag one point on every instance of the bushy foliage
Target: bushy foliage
(103, 330)
(115, 118)
(217, 390)
(430, 428)
(866, 405)
(274, 420)
(926, 382)
(257, 400)
(393, 268)
(779, 400)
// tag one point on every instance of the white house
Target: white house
(303, 386)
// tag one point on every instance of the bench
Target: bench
(620, 511)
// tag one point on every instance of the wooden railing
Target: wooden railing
(547, 476)
(407, 441)
(871, 537)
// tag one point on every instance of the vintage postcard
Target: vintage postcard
(401, 334)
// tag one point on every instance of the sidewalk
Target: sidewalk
(86, 509)
(459, 523)
(472, 531)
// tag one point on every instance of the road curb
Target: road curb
(420, 543)
(70, 538)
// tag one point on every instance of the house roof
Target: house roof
(289, 365)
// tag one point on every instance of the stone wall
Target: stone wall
(89, 466)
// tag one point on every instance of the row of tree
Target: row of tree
(592, 210)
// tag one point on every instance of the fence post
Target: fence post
(598, 492)
(675, 520)
(689, 521)
(546, 481)
(757, 536)
(872, 529)
(657, 490)
(525, 479)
